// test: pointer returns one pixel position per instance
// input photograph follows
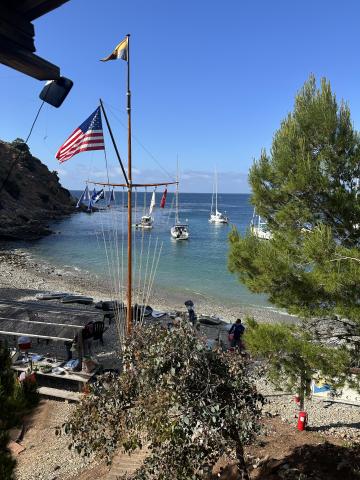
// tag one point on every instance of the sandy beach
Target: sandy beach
(22, 277)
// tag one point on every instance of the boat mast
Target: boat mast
(177, 191)
(212, 198)
(129, 285)
(216, 191)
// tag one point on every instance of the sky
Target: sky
(211, 82)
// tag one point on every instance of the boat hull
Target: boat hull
(179, 235)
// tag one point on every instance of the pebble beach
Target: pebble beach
(22, 277)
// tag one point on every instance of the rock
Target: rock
(31, 195)
(15, 448)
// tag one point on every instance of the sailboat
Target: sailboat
(216, 216)
(259, 228)
(147, 221)
(179, 231)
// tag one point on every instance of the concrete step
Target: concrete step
(59, 394)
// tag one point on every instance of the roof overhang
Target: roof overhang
(17, 37)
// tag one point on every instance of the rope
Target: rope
(123, 124)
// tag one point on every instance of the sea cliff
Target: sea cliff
(30, 195)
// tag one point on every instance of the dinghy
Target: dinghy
(78, 299)
(51, 295)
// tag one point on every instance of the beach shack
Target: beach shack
(50, 344)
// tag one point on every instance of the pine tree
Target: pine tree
(307, 190)
(293, 359)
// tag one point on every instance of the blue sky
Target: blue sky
(211, 81)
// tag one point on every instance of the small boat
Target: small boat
(209, 320)
(51, 296)
(146, 221)
(78, 299)
(179, 231)
(216, 216)
(259, 228)
(109, 305)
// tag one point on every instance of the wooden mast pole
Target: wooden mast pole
(129, 283)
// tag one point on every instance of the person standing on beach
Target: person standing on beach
(235, 333)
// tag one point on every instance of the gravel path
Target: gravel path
(47, 456)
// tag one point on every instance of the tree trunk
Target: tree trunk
(240, 455)
(302, 391)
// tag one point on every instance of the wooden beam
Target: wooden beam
(8, 32)
(11, 17)
(46, 337)
(28, 63)
(105, 184)
(41, 323)
(32, 9)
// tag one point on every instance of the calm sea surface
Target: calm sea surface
(197, 265)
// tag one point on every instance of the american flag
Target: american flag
(89, 136)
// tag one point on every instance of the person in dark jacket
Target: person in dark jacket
(236, 331)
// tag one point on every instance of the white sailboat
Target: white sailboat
(216, 216)
(147, 221)
(259, 228)
(179, 231)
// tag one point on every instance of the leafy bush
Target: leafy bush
(20, 144)
(189, 405)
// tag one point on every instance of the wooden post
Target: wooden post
(129, 286)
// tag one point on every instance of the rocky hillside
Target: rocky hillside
(31, 195)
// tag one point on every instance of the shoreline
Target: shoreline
(23, 276)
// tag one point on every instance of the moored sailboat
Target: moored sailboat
(147, 221)
(216, 216)
(179, 231)
(259, 228)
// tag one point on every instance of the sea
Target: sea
(196, 267)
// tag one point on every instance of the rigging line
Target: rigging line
(117, 270)
(146, 285)
(171, 209)
(14, 162)
(122, 249)
(107, 254)
(146, 270)
(115, 266)
(140, 264)
(139, 142)
(134, 244)
(107, 258)
(106, 165)
(155, 270)
(142, 248)
(150, 274)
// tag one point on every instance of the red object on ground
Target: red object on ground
(297, 398)
(302, 421)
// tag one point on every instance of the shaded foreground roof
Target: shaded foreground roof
(54, 323)
(17, 35)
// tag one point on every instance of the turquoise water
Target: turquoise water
(198, 265)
